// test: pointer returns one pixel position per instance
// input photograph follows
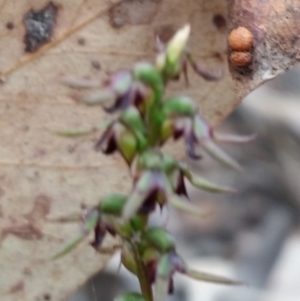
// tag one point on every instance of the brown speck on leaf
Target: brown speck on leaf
(96, 65)
(219, 21)
(27, 271)
(83, 206)
(10, 25)
(39, 25)
(81, 41)
(17, 287)
(47, 297)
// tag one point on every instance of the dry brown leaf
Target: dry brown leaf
(44, 176)
(275, 25)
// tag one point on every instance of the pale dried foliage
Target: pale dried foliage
(45, 176)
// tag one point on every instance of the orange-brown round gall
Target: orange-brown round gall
(240, 39)
(240, 59)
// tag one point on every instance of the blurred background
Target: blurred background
(254, 235)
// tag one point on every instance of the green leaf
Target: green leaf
(206, 277)
(160, 239)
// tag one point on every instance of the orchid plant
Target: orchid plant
(146, 120)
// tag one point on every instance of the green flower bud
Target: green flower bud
(112, 204)
(128, 259)
(139, 222)
(167, 130)
(160, 239)
(128, 146)
(150, 254)
(133, 120)
(177, 45)
(168, 164)
(148, 74)
(179, 105)
(150, 159)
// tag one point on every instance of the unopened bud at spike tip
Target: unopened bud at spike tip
(177, 44)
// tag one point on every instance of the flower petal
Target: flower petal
(234, 138)
(206, 277)
(186, 207)
(203, 184)
(203, 72)
(140, 192)
(99, 97)
(82, 83)
(211, 148)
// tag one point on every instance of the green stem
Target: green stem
(146, 288)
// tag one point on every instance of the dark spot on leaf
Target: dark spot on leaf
(10, 25)
(133, 12)
(219, 21)
(96, 65)
(83, 206)
(19, 286)
(81, 41)
(39, 26)
(47, 297)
